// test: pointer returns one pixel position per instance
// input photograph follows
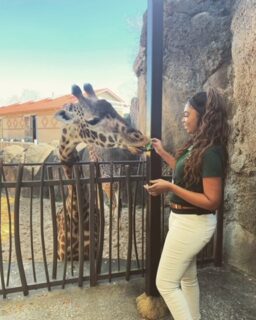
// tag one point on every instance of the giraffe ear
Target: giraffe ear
(64, 116)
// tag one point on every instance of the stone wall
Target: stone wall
(197, 41)
(240, 230)
(213, 43)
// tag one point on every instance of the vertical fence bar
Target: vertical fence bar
(101, 222)
(1, 251)
(42, 226)
(92, 226)
(81, 224)
(134, 217)
(119, 208)
(54, 223)
(17, 231)
(110, 224)
(10, 229)
(31, 227)
(71, 231)
(65, 226)
(143, 218)
(129, 195)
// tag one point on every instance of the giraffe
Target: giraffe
(95, 122)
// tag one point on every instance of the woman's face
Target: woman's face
(190, 119)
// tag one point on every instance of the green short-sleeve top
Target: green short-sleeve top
(212, 166)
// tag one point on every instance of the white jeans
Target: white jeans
(177, 273)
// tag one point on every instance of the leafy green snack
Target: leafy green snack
(148, 147)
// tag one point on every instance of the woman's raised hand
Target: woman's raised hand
(157, 145)
(166, 156)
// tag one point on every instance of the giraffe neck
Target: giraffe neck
(93, 154)
(71, 198)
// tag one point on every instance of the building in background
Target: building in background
(34, 120)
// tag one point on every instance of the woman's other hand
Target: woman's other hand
(158, 186)
(157, 145)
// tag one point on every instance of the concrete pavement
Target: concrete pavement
(225, 295)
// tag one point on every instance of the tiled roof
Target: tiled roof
(37, 106)
(47, 104)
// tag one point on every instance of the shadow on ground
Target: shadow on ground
(225, 295)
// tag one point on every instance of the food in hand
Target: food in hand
(148, 147)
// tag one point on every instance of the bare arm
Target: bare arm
(167, 157)
(210, 199)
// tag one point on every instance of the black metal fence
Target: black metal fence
(31, 197)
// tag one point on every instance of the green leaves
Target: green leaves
(148, 147)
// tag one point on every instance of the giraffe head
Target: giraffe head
(95, 121)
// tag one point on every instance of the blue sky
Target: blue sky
(47, 45)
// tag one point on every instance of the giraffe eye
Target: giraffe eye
(64, 116)
(93, 121)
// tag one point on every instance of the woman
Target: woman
(199, 170)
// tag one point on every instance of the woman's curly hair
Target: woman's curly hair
(213, 130)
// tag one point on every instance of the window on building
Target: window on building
(30, 128)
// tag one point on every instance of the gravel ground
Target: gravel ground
(25, 233)
(45, 225)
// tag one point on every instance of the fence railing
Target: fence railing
(33, 198)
